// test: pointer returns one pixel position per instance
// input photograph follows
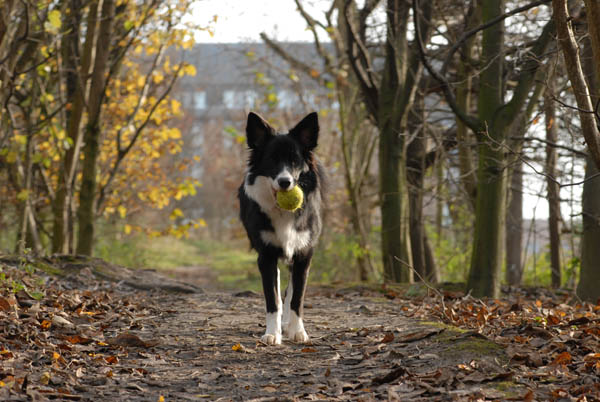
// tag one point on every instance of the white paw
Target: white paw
(271, 339)
(295, 329)
(299, 336)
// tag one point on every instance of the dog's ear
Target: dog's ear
(307, 131)
(257, 130)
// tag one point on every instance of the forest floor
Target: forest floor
(93, 331)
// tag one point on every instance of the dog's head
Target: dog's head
(281, 158)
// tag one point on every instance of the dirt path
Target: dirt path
(361, 349)
(130, 340)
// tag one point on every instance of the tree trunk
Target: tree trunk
(497, 118)
(486, 260)
(357, 151)
(514, 217)
(484, 276)
(551, 183)
(415, 201)
(424, 265)
(589, 277)
(514, 228)
(387, 97)
(393, 104)
(28, 237)
(463, 98)
(363, 259)
(439, 201)
(76, 77)
(395, 241)
(87, 195)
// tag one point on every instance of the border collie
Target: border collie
(280, 162)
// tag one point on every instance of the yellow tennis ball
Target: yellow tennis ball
(290, 200)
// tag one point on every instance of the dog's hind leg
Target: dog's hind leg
(267, 264)
(299, 277)
(285, 320)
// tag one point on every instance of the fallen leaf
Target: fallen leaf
(388, 337)
(62, 322)
(419, 334)
(238, 347)
(580, 321)
(77, 339)
(552, 319)
(111, 359)
(391, 376)
(45, 378)
(478, 377)
(309, 350)
(561, 359)
(6, 354)
(591, 357)
(363, 332)
(4, 304)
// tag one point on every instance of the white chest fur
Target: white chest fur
(284, 234)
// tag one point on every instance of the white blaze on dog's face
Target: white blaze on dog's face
(284, 181)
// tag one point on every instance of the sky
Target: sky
(244, 20)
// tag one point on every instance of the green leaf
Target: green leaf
(231, 131)
(128, 25)
(23, 195)
(54, 23)
(36, 295)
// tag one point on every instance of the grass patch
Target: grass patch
(233, 264)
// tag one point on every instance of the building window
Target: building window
(199, 100)
(286, 99)
(239, 99)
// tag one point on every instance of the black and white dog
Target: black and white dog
(280, 162)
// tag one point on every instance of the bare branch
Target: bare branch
(360, 61)
(294, 62)
(488, 24)
(577, 152)
(470, 121)
(566, 40)
(311, 25)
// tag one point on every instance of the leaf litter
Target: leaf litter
(88, 339)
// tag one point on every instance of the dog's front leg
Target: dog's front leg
(267, 264)
(300, 268)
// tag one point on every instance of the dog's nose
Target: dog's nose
(284, 183)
